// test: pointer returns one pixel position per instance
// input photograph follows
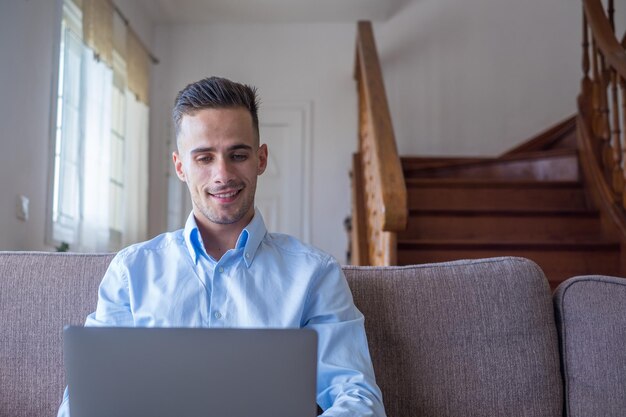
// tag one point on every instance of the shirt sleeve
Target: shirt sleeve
(113, 309)
(346, 385)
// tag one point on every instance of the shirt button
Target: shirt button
(218, 315)
(247, 256)
(221, 269)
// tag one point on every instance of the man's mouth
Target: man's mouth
(225, 196)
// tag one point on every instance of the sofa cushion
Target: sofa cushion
(591, 318)
(39, 294)
(465, 338)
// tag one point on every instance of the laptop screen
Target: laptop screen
(132, 372)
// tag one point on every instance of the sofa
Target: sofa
(467, 338)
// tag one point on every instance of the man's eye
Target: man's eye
(239, 157)
(204, 159)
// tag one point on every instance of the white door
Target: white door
(283, 190)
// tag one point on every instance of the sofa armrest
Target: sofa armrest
(591, 319)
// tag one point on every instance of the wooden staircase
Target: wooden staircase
(531, 202)
(558, 199)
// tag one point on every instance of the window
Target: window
(99, 193)
(65, 207)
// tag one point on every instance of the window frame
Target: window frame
(61, 230)
(49, 235)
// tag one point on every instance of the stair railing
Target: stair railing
(378, 188)
(602, 110)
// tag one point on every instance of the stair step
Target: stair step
(559, 261)
(502, 225)
(479, 194)
(555, 165)
(410, 163)
(561, 135)
(529, 202)
(545, 245)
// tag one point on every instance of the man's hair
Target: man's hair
(215, 93)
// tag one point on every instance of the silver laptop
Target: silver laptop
(167, 372)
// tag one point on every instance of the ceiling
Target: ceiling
(269, 11)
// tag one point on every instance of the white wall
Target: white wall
(138, 19)
(27, 29)
(479, 77)
(303, 62)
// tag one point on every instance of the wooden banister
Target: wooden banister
(602, 31)
(380, 207)
(602, 113)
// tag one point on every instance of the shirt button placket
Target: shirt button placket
(205, 311)
(218, 300)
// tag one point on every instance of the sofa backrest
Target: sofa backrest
(466, 338)
(591, 313)
(39, 294)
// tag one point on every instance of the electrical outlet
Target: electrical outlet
(22, 207)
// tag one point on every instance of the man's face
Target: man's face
(219, 158)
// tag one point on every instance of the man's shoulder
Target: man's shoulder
(162, 244)
(290, 245)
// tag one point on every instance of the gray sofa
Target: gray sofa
(466, 338)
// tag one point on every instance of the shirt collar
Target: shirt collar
(249, 239)
(193, 240)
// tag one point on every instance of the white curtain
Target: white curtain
(136, 171)
(94, 182)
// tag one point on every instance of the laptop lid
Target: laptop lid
(165, 372)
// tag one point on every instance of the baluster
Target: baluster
(362, 118)
(585, 45)
(586, 86)
(622, 84)
(599, 105)
(616, 145)
(595, 103)
(373, 191)
(364, 150)
(602, 131)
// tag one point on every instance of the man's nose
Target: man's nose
(223, 171)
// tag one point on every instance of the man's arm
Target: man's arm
(113, 309)
(346, 385)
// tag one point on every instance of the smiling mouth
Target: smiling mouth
(225, 196)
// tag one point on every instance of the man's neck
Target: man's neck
(219, 238)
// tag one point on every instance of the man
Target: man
(224, 269)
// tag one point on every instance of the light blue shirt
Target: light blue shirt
(267, 280)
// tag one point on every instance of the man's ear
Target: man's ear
(178, 166)
(262, 153)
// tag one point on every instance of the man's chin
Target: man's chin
(224, 221)
(224, 218)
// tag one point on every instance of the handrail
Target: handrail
(602, 113)
(601, 27)
(380, 170)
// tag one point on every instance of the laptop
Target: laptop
(190, 372)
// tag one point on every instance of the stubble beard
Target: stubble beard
(217, 216)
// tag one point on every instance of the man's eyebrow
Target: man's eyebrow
(201, 150)
(240, 146)
(212, 149)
